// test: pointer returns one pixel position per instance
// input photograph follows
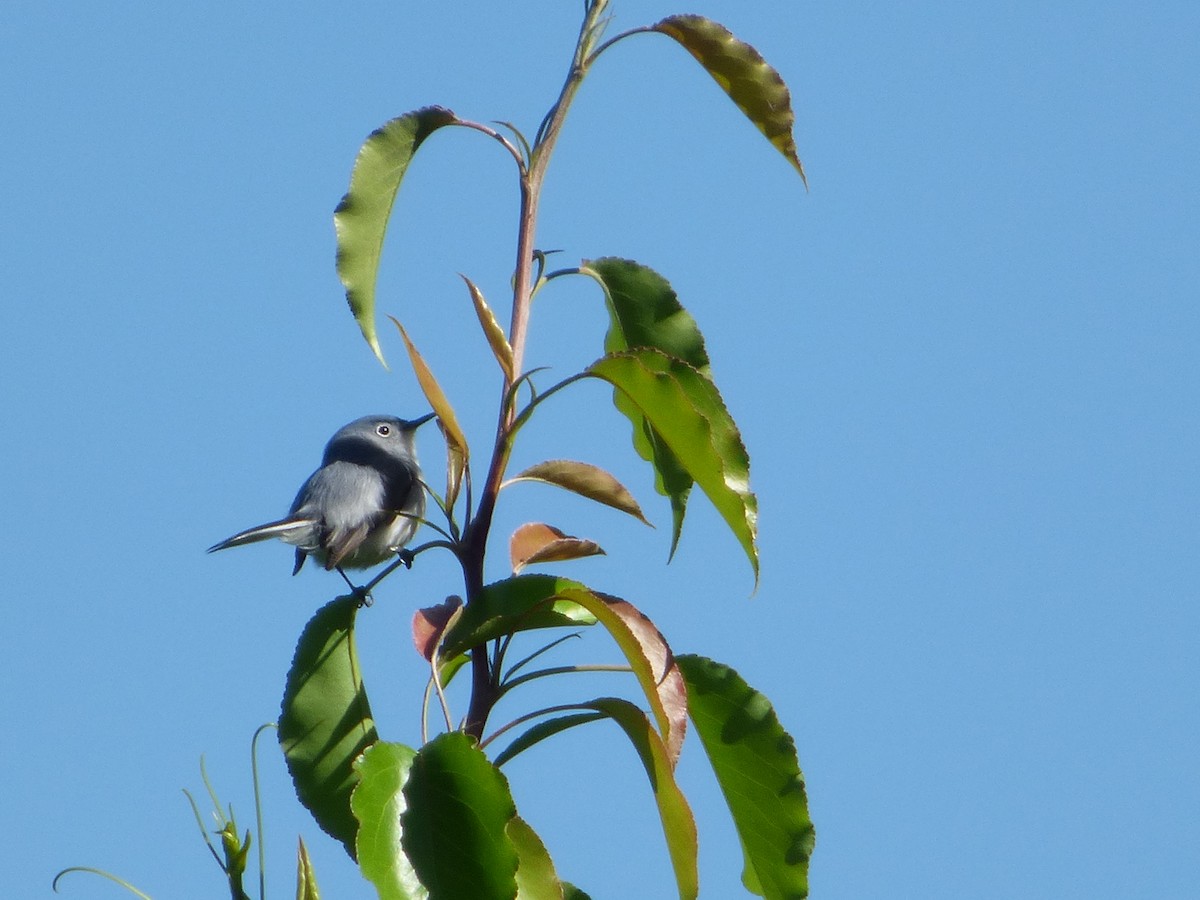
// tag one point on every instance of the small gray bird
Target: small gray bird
(361, 507)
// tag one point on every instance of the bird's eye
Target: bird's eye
(383, 430)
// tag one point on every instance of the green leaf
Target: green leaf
(570, 892)
(759, 773)
(543, 730)
(683, 406)
(758, 90)
(520, 603)
(583, 479)
(536, 878)
(306, 878)
(326, 720)
(645, 312)
(650, 658)
(456, 820)
(679, 827)
(361, 219)
(378, 804)
(495, 335)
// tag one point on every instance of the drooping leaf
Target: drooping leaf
(759, 773)
(454, 826)
(430, 622)
(543, 730)
(679, 827)
(326, 720)
(757, 89)
(537, 542)
(495, 335)
(520, 603)
(378, 803)
(435, 395)
(683, 407)
(644, 311)
(306, 878)
(583, 479)
(536, 878)
(361, 218)
(651, 659)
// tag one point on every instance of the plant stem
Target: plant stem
(484, 687)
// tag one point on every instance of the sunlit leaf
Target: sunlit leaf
(536, 878)
(583, 479)
(520, 603)
(306, 878)
(458, 808)
(543, 730)
(435, 395)
(537, 542)
(378, 804)
(429, 623)
(495, 335)
(326, 720)
(756, 88)
(651, 659)
(685, 409)
(758, 770)
(361, 219)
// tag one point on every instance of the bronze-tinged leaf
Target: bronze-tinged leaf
(429, 624)
(361, 219)
(434, 394)
(583, 479)
(537, 542)
(758, 90)
(495, 335)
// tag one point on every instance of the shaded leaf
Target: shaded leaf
(651, 659)
(378, 803)
(454, 826)
(583, 479)
(759, 773)
(543, 730)
(495, 335)
(361, 218)
(306, 878)
(429, 623)
(520, 603)
(644, 311)
(685, 409)
(758, 90)
(570, 892)
(537, 542)
(434, 394)
(536, 878)
(325, 722)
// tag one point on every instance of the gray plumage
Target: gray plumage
(361, 506)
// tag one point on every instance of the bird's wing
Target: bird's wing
(341, 542)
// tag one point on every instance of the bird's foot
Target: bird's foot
(406, 557)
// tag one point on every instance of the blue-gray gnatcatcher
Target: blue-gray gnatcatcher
(361, 507)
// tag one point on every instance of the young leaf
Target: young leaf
(454, 826)
(378, 804)
(650, 658)
(435, 395)
(536, 878)
(430, 622)
(756, 88)
(685, 409)
(326, 721)
(306, 878)
(537, 542)
(583, 479)
(361, 218)
(759, 773)
(520, 603)
(496, 338)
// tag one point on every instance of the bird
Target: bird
(361, 506)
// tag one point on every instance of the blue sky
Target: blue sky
(963, 365)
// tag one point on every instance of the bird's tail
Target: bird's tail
(292, 530)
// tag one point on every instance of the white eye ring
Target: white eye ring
(383, 430)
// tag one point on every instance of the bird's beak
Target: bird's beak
(417, 423)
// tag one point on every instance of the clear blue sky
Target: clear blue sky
(964, 365)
